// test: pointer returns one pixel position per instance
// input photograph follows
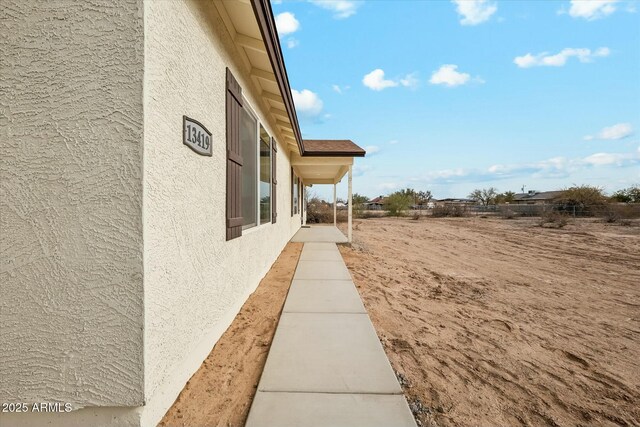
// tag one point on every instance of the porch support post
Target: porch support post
(350, 232)
(304, 205)
(334, 205)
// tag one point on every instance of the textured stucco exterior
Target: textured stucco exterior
(116, 277)
(71, 134)
(195, 281)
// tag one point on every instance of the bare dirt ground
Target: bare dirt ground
(221, 391)
(492, 322)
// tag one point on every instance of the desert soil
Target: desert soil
(220, 392)
(499, 322)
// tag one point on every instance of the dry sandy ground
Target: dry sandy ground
(221, 391)
(496, 322)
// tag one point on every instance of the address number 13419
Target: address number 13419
(196, 136)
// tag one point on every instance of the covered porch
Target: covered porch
(327, 162)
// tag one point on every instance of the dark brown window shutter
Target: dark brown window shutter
(234, 158)
(274, 181)
(292, 194)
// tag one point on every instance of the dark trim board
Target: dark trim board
(333, 154)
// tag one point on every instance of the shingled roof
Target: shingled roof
(332, 147)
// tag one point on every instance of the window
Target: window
(265, 176)
(251, 167)
(294, 193)
(256, 170)
(248, 129)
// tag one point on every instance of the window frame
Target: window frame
(248, 107)
(295, 193)
(269, 168)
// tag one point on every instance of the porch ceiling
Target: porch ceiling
(320, 170)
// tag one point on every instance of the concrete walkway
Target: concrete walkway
(319, 233)
(326, 366)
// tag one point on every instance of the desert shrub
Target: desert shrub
(584, 200)
(319, 215)
(322, 213)
(627, 195)
(507, 213)
(319, 211)
(371, 214)
(358, 204)
(619, 213)
(449, 211)
(553, 219)
(397, 203)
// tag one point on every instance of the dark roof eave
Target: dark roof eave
(266, 22)
(333, 154)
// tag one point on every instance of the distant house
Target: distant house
(533, 197)
(376, 204)
(454, 201)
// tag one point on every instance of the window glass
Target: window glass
(265, 176)
(295, 194)
(248, 138)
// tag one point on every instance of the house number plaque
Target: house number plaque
(196, 136)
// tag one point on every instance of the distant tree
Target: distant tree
(509, 196)
(359, 199)
(416, 197)
(621, 196)
(582, 196)
(627, 195)
(410, 193)
(398, 202)
(506, 197)
(358, 203)
(423, 197)
(486, 196)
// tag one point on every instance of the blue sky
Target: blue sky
(449, 96)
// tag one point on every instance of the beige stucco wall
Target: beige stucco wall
(195, 281)
(71, 127)
(85, 86)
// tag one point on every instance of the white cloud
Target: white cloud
(555, 167)
(561, 58)
(340, 89)
(474, 12)
(375, 80)
(617, 131)
(592, 9)
(307, 103)
(605, 159)
(286, 23)
(341, 8)
(410, 80)
(371, 149)
(449, 76)
(291, 43)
